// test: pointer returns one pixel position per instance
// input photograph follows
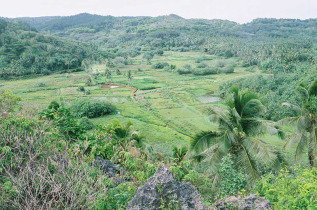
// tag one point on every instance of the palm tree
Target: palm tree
(239, 125)
(305, 136)
(126, 136)
(179, 153)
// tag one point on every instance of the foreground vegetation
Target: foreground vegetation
(230, 108)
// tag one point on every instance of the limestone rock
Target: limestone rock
(162, 190)
(249, 203)
(112, 170)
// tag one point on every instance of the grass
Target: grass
(162, 105)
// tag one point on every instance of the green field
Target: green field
(167, 108)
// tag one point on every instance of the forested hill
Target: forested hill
(88, 23)
(129, 35)
(23, 50)
(46, 44)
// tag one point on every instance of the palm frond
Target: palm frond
(236, 118)
(204, 140)
(253, 108)
(274, 128)
(212, 156)
(247, 163)
(228, 139)
(313, 89)
(301, 145)
(302, 123)
(303, 93)
(292, 140)
(292, 107)
(315, 137)
(222, 117)
(216, 181)
(280, 160)
(248, 96)
(260, 150)
(287, 121)
(236, 98)
(253, 126)
(280, 133)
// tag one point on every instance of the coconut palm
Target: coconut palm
(305, 136)
(239, 125)
(126, 136)
(179, 153)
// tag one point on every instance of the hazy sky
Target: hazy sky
(236, 10)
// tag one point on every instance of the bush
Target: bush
(187, 69)
(184, 71)
(81, 88)
(32, 167)
(117, 198)
(290, 189)
(227, 69)
(62, 118)
(232, 181)
(202, 65)
(8, 102)
(89, 108)
(86, 123)
(160, 65)
(205, 71)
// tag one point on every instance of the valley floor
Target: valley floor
(167, 108)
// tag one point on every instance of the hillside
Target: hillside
(130, 36)
(23, 50)
(85, 27)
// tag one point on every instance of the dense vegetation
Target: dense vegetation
(229, 107)
(24, 51)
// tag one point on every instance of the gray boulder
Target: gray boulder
(112, 170)
(162, 190)
(249, 203)
(107, 167)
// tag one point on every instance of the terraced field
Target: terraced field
(167, 108)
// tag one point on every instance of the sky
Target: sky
(241, 11)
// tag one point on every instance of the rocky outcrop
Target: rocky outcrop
(249, 203)
(112, 170)
(107, 167)
(162, 190)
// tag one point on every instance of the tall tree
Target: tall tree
(240, 124)
(305, 136)
(129, 75)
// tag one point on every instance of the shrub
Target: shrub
(202, 65)
(8, 102)
(89, 82)
(117, 198)
(232, 181)
(184, 71)
(86, 123)
(62, 118)
(187, 69)
(179, 153)
(227, 69)
(81, 89)
(34, 175)
(89, 108)
(41, 84)
(290, 189)
(160, 65)
(205, 71)
(159, 52)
